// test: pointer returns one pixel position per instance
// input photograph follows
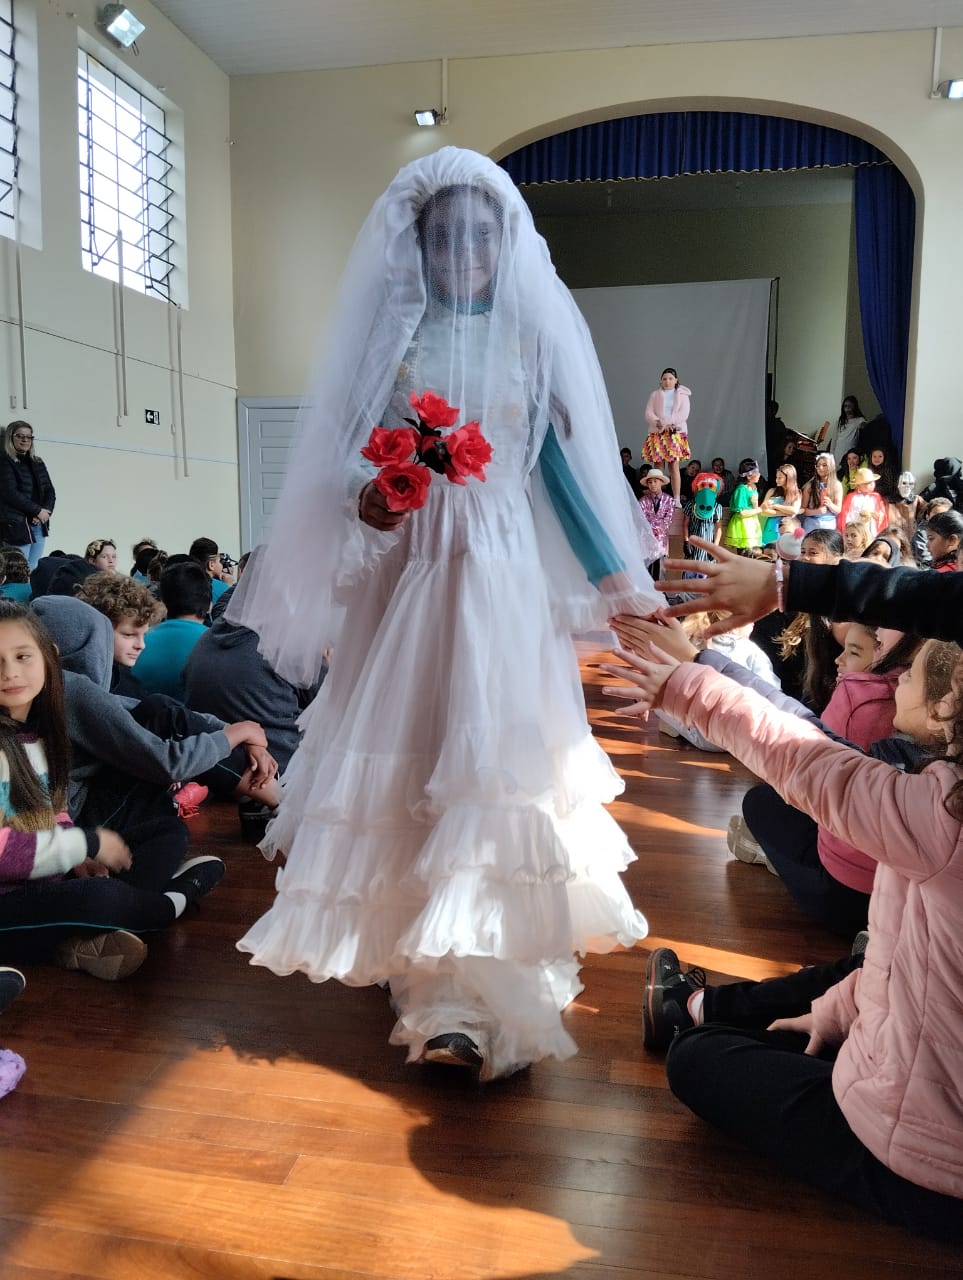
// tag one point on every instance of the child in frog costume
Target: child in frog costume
(702, 517)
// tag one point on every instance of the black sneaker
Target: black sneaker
(12, 983)
(667, 990)
(453, 1049)
(196, 877)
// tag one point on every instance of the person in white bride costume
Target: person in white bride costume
(442, 819)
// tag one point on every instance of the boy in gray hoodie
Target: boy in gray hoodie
(125, 761)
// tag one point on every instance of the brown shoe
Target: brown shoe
(107, 956)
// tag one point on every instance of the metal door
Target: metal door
(265, 430)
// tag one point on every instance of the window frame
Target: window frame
(127, 181)
(9, 168)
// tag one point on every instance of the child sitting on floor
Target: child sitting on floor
(733, 645)
(127, 755)
(74, 895)
(861, 1094)
(131, 609)
(14, 575)
(856, 537)
(829, 879)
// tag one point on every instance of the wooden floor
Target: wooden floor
(207, 1120)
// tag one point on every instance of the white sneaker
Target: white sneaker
(741, 842)
(108, 956)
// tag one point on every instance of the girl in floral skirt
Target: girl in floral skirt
(667, 413)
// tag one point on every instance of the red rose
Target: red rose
(469, 451)
(404, 485)
(386, 446)
(433, 410)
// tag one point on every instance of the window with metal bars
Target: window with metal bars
(8, 118)
(125, 182)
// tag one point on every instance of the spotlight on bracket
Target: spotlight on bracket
(429, 118)
(120, 24)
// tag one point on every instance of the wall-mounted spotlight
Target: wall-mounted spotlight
(120, 24)
(429, 118)
(952, 89)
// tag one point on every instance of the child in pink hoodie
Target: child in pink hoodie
(861, 1093)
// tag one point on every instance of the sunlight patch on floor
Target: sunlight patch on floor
(733, 963)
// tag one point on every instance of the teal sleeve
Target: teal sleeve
(591, 544)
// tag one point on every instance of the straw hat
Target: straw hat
(655, 474)
(863, 475)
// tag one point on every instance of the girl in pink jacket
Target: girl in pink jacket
(861, 1093)
(667, 414)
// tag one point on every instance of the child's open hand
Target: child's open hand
(648, 676)
(804, 1024)
(732, 584)
(639, 635)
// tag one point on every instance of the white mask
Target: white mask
(906, 485)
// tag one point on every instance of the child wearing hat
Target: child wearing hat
(863, 501)
(658, 509)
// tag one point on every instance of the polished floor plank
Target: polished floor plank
(121, 1259)
(206, 1120)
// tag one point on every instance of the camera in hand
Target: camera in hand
(226, 562)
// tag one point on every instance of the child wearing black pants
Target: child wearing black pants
(730, 1062)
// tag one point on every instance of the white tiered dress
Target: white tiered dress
(442, 819)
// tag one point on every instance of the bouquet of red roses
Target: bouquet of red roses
(406, 457)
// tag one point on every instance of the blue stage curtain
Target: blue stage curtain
(666, 144)
(885, 215)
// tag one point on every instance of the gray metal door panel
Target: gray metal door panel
(265, 428)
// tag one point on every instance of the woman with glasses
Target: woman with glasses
(27, 495)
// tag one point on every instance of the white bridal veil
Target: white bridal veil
(532, 361)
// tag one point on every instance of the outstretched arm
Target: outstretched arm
(743, 588)
(926, 604)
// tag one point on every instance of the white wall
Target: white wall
(311, 152)
(127, 481)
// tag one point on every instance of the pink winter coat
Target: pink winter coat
(862, 707)
(655, 410)
(898, 1078)
(860, 710)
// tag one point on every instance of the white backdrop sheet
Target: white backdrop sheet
(714, 333)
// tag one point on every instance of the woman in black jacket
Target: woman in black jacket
(27, 495)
